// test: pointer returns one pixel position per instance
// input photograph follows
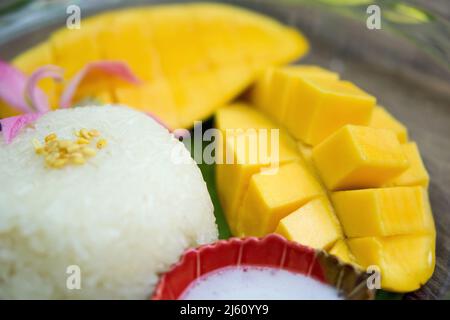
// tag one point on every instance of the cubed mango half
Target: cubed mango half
(359, 157)
(383, 211)
(314, 225)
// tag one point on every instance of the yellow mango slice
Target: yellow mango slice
(154, 97)
(359, 157)
(405, 262)
(139, 53)
(384, 120)
(314, 225)
(196, 97)
(316, 107)
(72, 50)
(207, 54)
(416, 174)
(251, 36)
(272, 196)
(341, 250)
(383, 211)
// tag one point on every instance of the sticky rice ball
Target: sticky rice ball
(121, 219)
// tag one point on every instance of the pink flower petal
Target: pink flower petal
(36, 98)
(115, 68)
(11, 126)
(12, 87)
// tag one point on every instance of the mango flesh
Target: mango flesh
(416, 174)
(383, 211)
(273, 87)
(406, 262)
(311, 102)
(359, 157)
(199, 56)
(243, 150)
(341, 250)
(377, 184)
(318, 216)
(272, 196)
(382, 119)
(277, 189)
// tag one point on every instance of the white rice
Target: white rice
(124, 217)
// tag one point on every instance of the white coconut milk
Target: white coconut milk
(257, 283)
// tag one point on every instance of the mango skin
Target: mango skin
(359, 157)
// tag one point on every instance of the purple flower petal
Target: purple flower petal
(36, 98)
(12, 87)
(11, 126)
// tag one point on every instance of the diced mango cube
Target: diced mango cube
(243, 149)
(384, 120)
(241, 116)
(277, 95)
(405, 262)
(273, 89)
(341, 250)
(359, 157)
(306, 152)
(244, 155)
(314, 225)
(316, 107)
(383, 211)
(416, 174)
(261, 90)
(272, 196)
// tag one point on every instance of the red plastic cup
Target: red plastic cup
(271, 251)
